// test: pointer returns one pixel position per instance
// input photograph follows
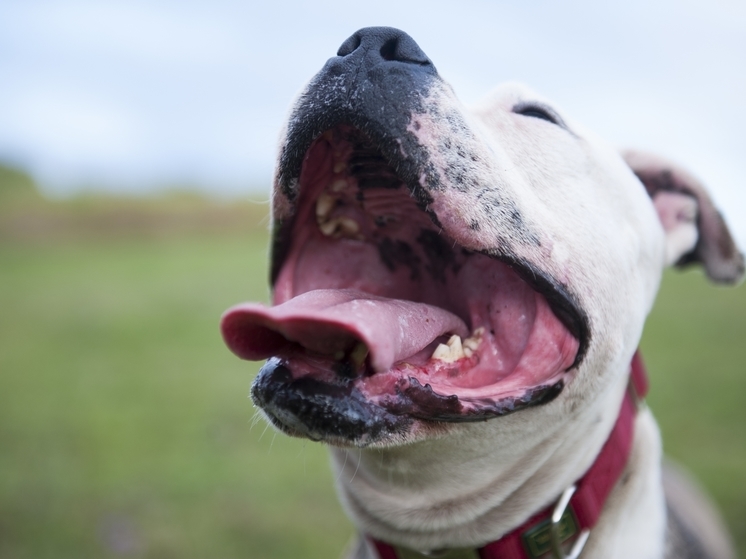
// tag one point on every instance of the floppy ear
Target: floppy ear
(695, 230)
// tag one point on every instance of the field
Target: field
(125, 428)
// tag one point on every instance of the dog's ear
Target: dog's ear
(695, 230)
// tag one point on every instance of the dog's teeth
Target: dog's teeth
(451, 351)
(340, 166)
(339, 185)
(471, 344)
(457, 350)
(442, 353)
(348, 225)
(329, 227)
(344, 226)
(324, 206)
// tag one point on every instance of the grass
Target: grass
(695, 353)
(125, 429)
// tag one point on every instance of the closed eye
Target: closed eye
(537, 110)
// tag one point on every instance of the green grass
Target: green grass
(695, 351)
(125, 428)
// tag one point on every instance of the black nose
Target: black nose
(384, 44)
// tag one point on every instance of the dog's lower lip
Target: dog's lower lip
(339, 413)
(334, 412)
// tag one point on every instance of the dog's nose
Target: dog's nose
(379, 44)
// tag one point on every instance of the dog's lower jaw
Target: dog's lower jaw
(420, 498)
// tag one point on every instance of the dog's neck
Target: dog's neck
(458, 491)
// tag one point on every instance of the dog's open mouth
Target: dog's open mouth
(376, 304)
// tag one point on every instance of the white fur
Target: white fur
(587, 221)
(600, 235)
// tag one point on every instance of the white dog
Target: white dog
(460, 294)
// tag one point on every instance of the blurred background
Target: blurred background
(136, 152)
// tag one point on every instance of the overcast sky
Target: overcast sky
(133, 95)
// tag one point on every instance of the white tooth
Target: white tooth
(339, 185)
(468, 351)
(473, 341)
(329, 227)
(348, 225)
(340, 166)
(471, 344)
(324, 206)
(442, 353)
(339, 225)
(449, 352)
(457, 350)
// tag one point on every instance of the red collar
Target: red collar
(570, 520)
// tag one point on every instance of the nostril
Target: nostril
(389, 48)
(376, 44)
(350, 45)
(401, 48)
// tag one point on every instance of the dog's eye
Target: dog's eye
(534, 110)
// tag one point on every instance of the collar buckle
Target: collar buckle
(546, 539)
(560, 511)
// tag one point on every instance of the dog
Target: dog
(459, 294)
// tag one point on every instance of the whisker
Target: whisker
(359, 459)
(272, 443)
(342, 469)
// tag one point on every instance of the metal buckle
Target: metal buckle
(554, 528)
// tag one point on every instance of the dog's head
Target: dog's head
(435, 265)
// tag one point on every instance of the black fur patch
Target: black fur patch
(422, 402)
(440, 254)
(376, 95)
(396, 253)
(307, 407)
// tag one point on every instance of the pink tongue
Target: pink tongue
(331, 320)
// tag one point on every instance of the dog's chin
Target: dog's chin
(383, 327)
